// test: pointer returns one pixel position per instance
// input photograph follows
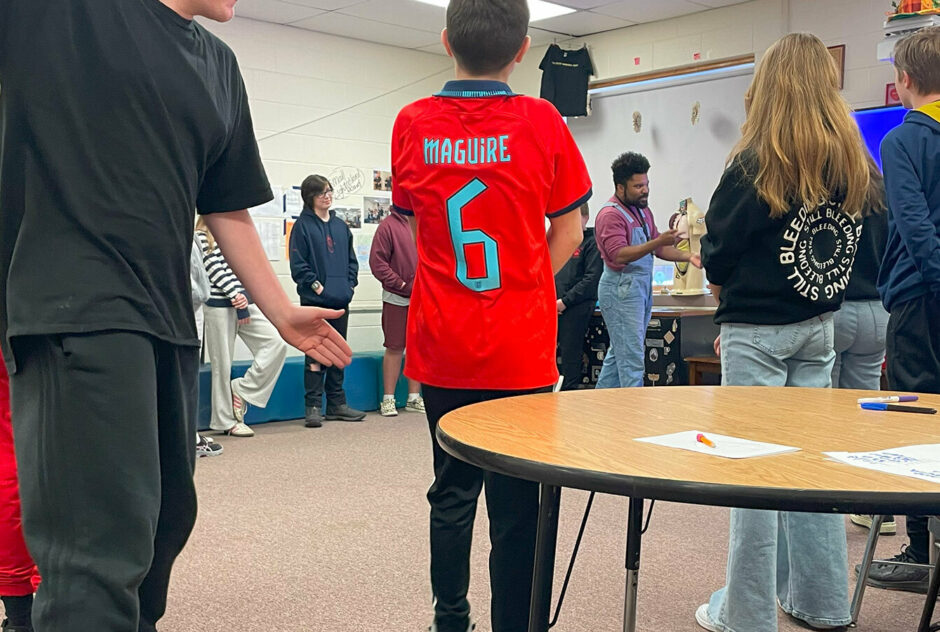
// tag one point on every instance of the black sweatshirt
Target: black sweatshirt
(577, 281)
(775, 271)
(871, 250)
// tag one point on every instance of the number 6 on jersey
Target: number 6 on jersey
(462, 238)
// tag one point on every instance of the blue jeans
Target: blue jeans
(860, 328)
(626, 301)
(798, 558)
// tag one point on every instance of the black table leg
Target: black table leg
(634, 537)
(544, 570)
(931, 602)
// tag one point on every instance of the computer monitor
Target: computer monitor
(875, 123)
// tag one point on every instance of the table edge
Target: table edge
(696, 493)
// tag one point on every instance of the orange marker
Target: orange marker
(703, 439)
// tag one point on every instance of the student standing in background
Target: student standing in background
(324, 266)
(909, 281)
(576, 292)
(199, 280)
(18, 575)
(231, 314)
(393, 260)
(790, 195)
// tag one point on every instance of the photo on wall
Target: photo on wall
(376, 209)
(381, 180)
(352, 216)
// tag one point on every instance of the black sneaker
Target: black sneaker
(6, 627)
(343, 413)
(893, 577)
(313, 418)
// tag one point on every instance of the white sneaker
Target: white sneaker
(240, 430)
(239, 407)
(415, 405)
(387, 408)
(702, 618)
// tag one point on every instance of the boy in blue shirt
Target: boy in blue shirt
(909, 280)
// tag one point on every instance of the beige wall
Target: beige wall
(355, 89)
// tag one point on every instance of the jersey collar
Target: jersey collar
(475, 88)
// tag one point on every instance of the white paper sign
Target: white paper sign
(915, 461)
(271, 232)
(725, 446)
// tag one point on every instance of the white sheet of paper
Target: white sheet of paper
(271, 232)
(915, 461)
(725, 446)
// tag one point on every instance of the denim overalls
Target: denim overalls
(626, 300)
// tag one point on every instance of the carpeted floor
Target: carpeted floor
(325, 530)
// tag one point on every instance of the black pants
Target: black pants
(572, 326)
(104, 426)
(512, 506)
(313, 380)
(913, 352)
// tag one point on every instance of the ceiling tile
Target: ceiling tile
(712, 4)
(408, 13)
(581, 4)
(582, 23)
(649, 11)
(274, 11)
(368, 30)
(327, 5)
(540, 37)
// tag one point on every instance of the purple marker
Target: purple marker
(888, 399)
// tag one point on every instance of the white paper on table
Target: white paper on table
(271, 232)
(915, 461)
(725, 446)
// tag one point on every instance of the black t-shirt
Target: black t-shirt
(871, 250)
(775, 271)
(565, 75)
(118, 118)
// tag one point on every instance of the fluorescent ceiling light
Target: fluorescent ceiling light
(538, 9)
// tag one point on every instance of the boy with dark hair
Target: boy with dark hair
(479, 169)
(576, 289)
(324, 266)
(142, 120)
(627, 239)
(909, 280)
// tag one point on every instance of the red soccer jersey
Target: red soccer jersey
(480, 169)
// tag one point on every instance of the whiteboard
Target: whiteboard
(686, 160)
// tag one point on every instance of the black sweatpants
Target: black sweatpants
(104, 425)
(913, 353)
(313, 380)
(512, 506)
(572, 326)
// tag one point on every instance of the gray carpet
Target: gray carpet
(325, 530)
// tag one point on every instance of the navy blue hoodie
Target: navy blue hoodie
(910, 154)
(323, 251)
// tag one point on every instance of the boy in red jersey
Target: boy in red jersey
(479, 169)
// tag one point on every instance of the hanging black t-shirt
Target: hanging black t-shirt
(117, 119)
(565, 75)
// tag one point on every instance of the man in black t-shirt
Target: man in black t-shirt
(117, 119)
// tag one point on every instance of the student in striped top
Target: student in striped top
(229, 312)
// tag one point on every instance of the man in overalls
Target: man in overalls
(627, 239)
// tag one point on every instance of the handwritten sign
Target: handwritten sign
(346, 181)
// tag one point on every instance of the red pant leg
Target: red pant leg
(18, 574)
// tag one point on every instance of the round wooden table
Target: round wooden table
(586, 440)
